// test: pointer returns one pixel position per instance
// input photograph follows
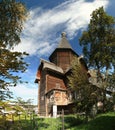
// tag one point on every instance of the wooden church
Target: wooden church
(54, 93)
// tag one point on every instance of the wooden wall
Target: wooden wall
(55, 83)
(63, 58)
(41, 98)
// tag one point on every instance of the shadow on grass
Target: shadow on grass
(24, 125)
(72, 121)
(102, 123)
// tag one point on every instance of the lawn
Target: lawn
(101, 122)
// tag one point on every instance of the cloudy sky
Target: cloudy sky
(41, 34)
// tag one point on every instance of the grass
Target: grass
(101, 122)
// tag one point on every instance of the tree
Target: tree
(85, 91)
(98, 44)
(12, 16)
(26, 104)
(5, 94)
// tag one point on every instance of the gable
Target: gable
(55, 83)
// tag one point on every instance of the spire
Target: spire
(63, 46)
(63, 34)
(64, 43)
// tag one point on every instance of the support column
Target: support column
(54, 111)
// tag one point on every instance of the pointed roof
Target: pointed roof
(64, 43)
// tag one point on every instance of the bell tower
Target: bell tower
(63, 55)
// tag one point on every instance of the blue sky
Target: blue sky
(42, 31)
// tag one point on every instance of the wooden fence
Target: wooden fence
(16, 121)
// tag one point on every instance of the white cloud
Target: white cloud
(25, 91)
(40, 33)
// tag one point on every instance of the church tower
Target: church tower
(63, 55)
(51, 77)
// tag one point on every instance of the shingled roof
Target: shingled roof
(63, 45)
(64, 42)
(51, 66)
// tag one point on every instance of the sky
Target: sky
(42, 32)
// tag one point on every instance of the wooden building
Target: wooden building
(53, 91)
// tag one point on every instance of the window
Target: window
(57, 85)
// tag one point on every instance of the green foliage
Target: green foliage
(111, 81)
(26, 105)
(7, 105)
(101, 122)
(10, 62)
(5, 94)
(99, 40)
(4, 104)
(12, 16)
(98, 44)
(109, 105)
(78, 77)
(85, 91)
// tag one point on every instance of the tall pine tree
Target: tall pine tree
(12, 16)
(86, 92)
(98, 44)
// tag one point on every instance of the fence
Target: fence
(20, 121)
(30, 121)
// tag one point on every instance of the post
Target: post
(62, 119)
